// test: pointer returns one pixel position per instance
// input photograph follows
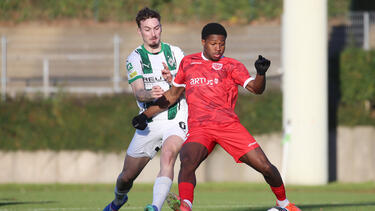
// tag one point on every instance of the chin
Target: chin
(154, 44)
(215, 59)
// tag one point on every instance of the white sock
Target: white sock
(162, 186)
(283, 203)
(188, 203)
(119, 196)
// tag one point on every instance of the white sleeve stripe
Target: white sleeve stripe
(178, 85)
(248, 81)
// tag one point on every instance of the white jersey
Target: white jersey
(148, 66)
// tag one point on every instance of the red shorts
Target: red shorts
(233, 137)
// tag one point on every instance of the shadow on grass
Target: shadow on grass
(9, 203)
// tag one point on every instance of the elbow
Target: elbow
(259, 91)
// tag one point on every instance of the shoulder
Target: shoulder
(232, 61)
(174, 48)
(134, 55)
(191, 57)
(194, 56)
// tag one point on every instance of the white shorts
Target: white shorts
(146, 143)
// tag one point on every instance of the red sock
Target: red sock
(186, 191)
(279, 192)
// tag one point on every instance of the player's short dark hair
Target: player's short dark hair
(213, 28)
(146, 13)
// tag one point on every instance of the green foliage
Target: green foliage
(338, 7)
(103, 123)
(357, 86)
(67, 123)
(354, 115)
(239, 11)
(125, 10)
(357, 76)
(261, 113)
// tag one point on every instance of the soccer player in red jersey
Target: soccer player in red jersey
(210, 82)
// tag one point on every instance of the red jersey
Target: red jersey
(211, 88)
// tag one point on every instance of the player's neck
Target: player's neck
(152, 50)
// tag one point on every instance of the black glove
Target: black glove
(261, 65)
(140, 122)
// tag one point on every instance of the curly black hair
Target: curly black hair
(213, 28)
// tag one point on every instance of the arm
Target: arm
(258, 85)
(161, 104)
(167, 74)
(143, 95)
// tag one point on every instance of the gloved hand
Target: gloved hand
(261, 65)
(140, 121)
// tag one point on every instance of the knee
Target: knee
(168, 157)
(267, 169)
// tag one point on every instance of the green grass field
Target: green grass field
(209, 196)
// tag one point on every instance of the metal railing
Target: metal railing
(359, 29)
(47, 84)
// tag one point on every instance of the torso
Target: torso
(211, 88)
(144, 65)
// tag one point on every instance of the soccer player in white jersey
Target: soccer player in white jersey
(151, 68)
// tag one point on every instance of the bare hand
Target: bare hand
(156, 92)
(166, 73)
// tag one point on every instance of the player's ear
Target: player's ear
(203, 42)
(139, 31)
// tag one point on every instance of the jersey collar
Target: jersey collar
(148, 52)
(204, 58)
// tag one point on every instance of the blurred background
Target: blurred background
(66, 104)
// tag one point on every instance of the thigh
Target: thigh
(192, 154)
(145, 143)
(172, 145)
(174, 128)
(256, 159)
(236, 140)
(202, 136)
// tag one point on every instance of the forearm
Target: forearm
(152, 111)
(143, 95)
(160, 104)
(258, 85)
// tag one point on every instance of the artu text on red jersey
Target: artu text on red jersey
(203, 81)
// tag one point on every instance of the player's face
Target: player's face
(214, 47)
(150, 30)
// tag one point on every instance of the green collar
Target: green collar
(148, 52)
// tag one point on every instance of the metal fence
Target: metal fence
(360, 29)
(48, 81)
(88, 62)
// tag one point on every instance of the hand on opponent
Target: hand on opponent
(140, 121)
(166, 73)
(156, 92)
(261, 65)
